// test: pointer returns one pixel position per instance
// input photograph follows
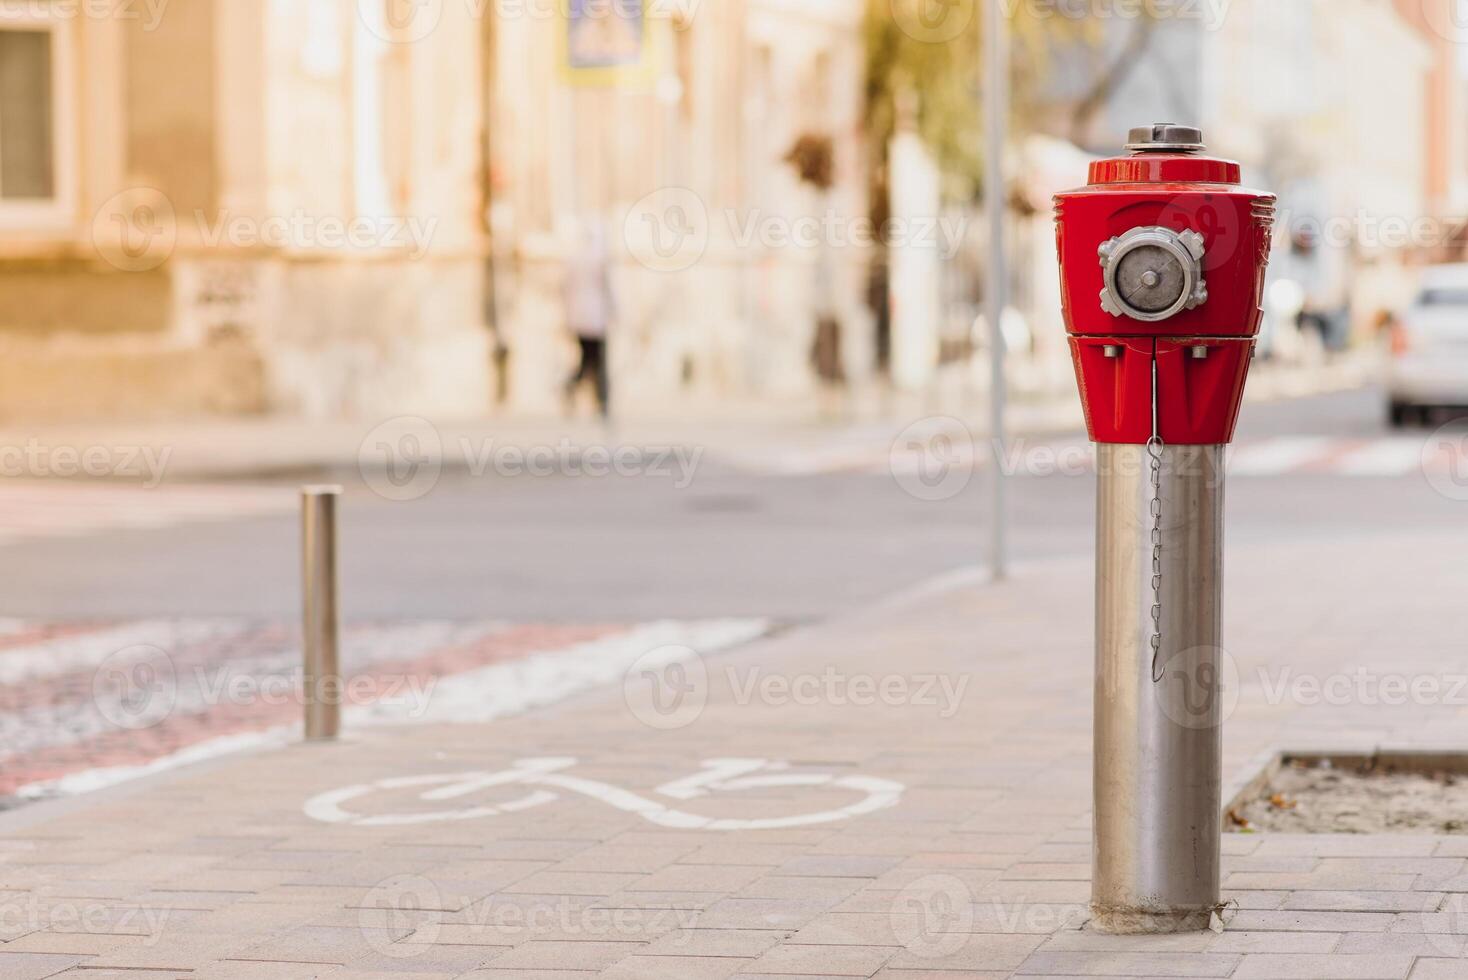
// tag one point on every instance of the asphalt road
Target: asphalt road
(733, 542)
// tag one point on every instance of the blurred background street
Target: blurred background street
(798, 526)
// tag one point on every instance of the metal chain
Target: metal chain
(1155, 447)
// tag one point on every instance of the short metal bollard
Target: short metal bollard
(321, 674)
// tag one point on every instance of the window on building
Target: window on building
(38, 166)
(27, 116)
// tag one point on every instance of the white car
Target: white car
(1429, 348)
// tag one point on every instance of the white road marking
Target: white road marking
(81, 651)
(1279, 455)
(1383, 457)
(878, 794)
(89, 780)
(487, 693)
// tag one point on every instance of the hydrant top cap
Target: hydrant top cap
(1165, 138)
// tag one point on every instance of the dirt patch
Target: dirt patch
(1366, 796)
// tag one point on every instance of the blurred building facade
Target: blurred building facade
(360, 208)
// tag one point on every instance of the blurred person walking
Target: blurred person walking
(590, 310)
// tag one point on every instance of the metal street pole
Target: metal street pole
(996, 118)
(321, 673)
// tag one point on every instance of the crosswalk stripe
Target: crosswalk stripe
(1277, 455)
(1385, 457)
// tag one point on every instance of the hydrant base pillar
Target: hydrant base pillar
(1158, 714)
(1133, 922)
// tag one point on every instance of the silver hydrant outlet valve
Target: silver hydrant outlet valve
(1153, 273)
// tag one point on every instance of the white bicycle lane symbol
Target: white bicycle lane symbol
(547, 775)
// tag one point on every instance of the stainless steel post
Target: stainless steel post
(321, 674)
(1157, 775)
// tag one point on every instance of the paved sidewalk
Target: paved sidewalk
(962, 849)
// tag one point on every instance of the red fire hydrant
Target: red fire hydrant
(1162, 262)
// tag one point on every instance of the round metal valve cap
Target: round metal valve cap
(1151, 279)
(1165, 138)
(1152, 273)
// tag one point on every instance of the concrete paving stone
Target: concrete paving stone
(740, 943)
(1308, 966)
(240, 882)
(971, 952)
(352, 972)
(594, 884)
(890, 973)
(1456, 846)
(1087, 941)
(319, 944)
(1437, 969)
(1451, 917)
(1058, 853)
(495, 974)
(1432, 867)
(858, 929)
(625, 858)
(430, 960)
(839, 961)
(1130, 964)
(951, 861)
(744, 853)
(977, 842)
(1238, 845)
(676, 968)
(555, 955)
(830, 890)
(72, 943)
(458, 934)
(225, 970)
(1347, 845)
(1032, 892)
(1235, 941)
(839, 866)
(760, 913)
(1247, 920)
(35, 966)
(1438, 944)
(79, 972)
(693, 902)
(1270, 862)
(1048, 871)
(1258, 900)
(1429, 883)
(1360, 901)
(520, 907)
(192, 901)
(1319, 880)
(901, 877)
(177, 950)
(697, 878)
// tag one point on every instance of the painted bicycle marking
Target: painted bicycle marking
(544, 776)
